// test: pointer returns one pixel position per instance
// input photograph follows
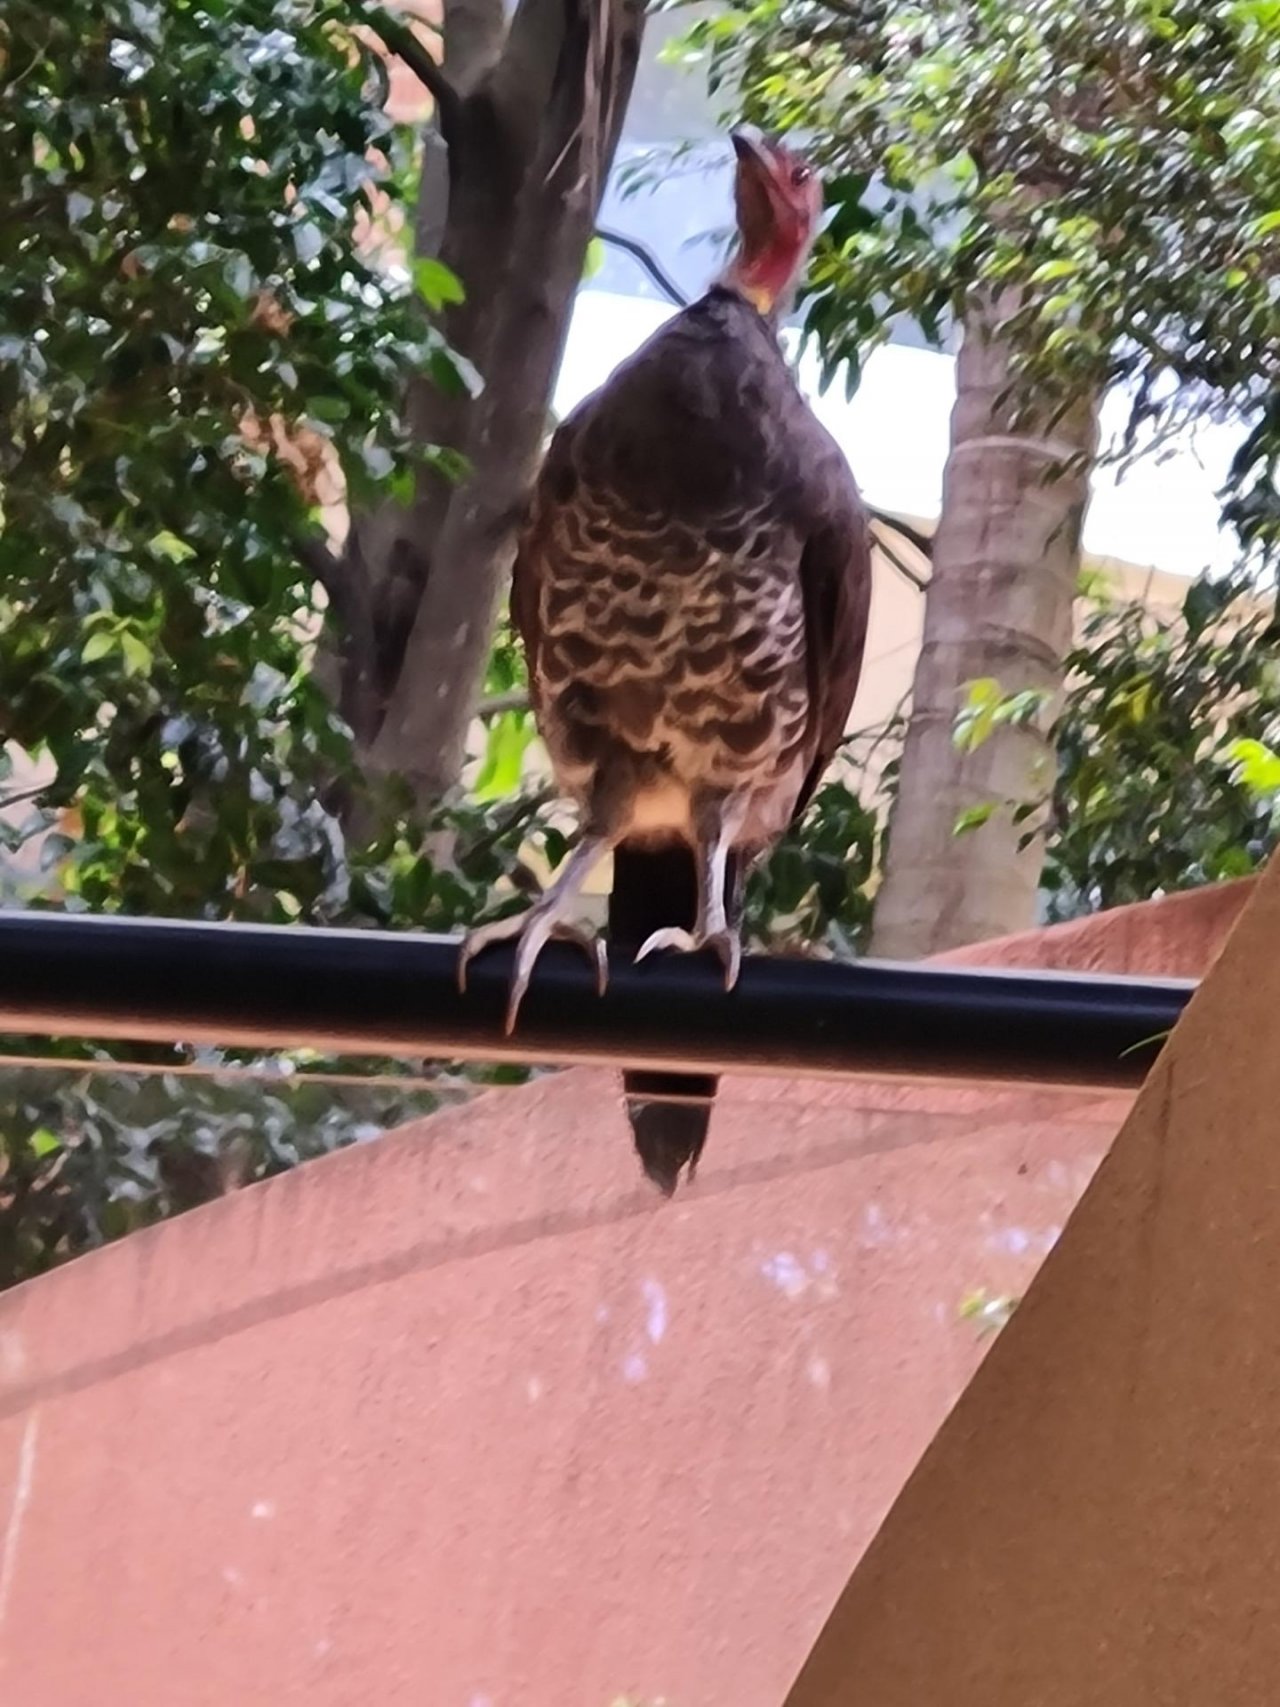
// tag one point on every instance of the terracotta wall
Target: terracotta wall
(466, 1417)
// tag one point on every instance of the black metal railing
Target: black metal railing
(381, 993)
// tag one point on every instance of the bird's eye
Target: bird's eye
(800, 176)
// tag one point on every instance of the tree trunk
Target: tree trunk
(529, 116)
(1006, 561)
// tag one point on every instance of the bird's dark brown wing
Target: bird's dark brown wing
(530, 554)
(835, 576)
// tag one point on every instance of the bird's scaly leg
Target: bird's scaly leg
(715, 823)
(542, 923)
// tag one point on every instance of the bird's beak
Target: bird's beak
(757, 167)
(749, 146)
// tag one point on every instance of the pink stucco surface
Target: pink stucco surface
(466, 1417)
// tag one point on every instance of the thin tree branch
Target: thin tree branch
(913, 536)
(400, 40)
(496, 704)
(904, 569)
(521, 810)
(638, 252)
(20, 796)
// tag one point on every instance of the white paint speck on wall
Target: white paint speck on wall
(1015, 1240)
(785, 1271)
(655, 1298)
(794, 1276)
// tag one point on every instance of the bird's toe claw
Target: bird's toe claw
(482, 937)
(671, 937)
(600, 954)
(591, 945)
(515, 995)
(533, 931)
(727, 947)
(724, 944)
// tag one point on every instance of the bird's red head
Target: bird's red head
(779, 203)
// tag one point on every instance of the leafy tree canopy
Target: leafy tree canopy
(197, 339)
(1111, 166)
(1166, 774)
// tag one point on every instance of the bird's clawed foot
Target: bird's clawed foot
(724, 943)
(533, 931)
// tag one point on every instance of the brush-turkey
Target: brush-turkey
(691, 587)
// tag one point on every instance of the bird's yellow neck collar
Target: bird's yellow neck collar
(761, 298)
(766, 279)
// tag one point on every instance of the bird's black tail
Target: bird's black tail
(653, 890)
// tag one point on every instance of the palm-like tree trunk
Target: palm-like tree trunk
(1006, 560)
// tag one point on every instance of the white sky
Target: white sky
(1160, 512)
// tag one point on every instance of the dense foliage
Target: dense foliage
(194, 341)
(93, 1149)
(1111, 166)
(1165, 779)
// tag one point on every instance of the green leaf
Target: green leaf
(322, 408)
(977, 718)
(1054, 307)
(1205, 602)
(982, 691)
(593, 260)
(1048, 271)
(99, 645)
(167, 545)
(436, 284)
(454, 375)
(44, 1143)
(1255, 766)
(137, 654)
(973, 817)
(509, 739)
(1020, 709)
